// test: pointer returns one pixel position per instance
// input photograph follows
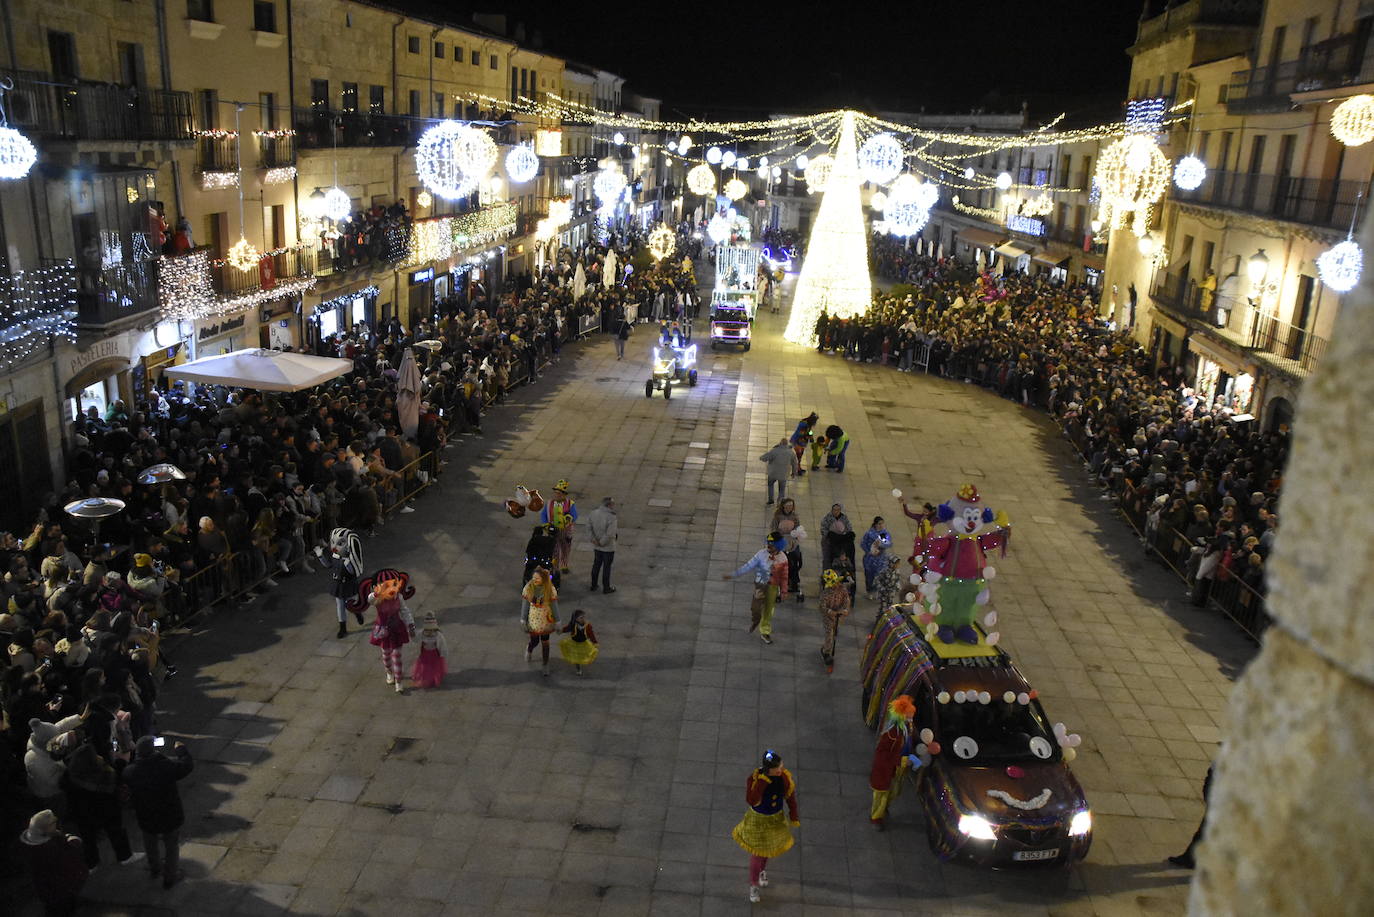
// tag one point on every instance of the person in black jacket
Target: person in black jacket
(152, 781)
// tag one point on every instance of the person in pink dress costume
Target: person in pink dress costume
(432, 664)
(386, 590)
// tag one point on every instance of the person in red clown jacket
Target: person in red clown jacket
(891, 757)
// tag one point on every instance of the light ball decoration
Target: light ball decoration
(803, 161)
(727, 158)
(968, 172)
(880, 158)
(243, 255)
(735, 189)
(762, 170)
(672, 146)
(714, 155)
(1189, 173)
(662, 242)
(904, 188)
(452, 159)
(878, 201)
(763, 160)
(1132, 173)
(337, 205)
(1003, 181)
(521, 164)
(618, 138)
(684, 144)
(905, 218)
(718, 229)
(1341, 265)
(701, 180)
(927, 195)
(818, 172)
(608, 185)
(1352, 123)
(17, 154)
(742, 163)
(776, 172)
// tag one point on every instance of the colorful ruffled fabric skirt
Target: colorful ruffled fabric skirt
(429, 669)
(764, 835)
(577, 652)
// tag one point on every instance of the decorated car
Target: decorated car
(994, 784)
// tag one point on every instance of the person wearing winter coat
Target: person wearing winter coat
(92, 791)
(152, 781)
(603, 528)
(43, 769)
(55, 861)
(782, 464)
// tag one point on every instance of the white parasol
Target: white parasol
(579, 283)
(264, 370)
(608, 273)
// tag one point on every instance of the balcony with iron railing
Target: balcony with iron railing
(115, 292)
(292, 264)
(1326, 66)
(217, 151)
(1324, 202)
(318, 128)
(1286, 346)
(44, 106)
(276, 149)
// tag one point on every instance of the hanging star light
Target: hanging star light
(735, 189)
(521, 164)
(243, 255)
(1341, 265)
(452, 159)
(1189, 173)
(906, 218)
(17, 153)
(662, 242)
(337, 205)
(718, 229)
(818, 173)
(1352, 123)
(881, 158)
(834, 277)
(701, 180)
(608, 184)
(424, 199)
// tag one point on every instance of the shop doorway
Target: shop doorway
(23, 450)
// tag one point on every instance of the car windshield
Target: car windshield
(998, 732)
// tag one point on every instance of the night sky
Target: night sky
(902, 55)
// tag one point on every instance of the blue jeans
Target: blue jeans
(836, 459)
(782, 489)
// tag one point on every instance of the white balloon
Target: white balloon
(1023, 698)
(984, 697)
(959, 697)
(911, 596)
(1073, 740)
(1009, 697)
(994, 638)
(1060, 729)
(990, 619)
(989, 572)
(927, 736)
(896, 493)
(916, 579)
(942, 697)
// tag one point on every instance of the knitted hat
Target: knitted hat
(431, 621)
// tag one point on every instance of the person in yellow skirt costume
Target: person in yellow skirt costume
(578, 648)
(539, 614)
(766, 830)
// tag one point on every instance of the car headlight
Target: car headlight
(1081, 824)
(976, 827)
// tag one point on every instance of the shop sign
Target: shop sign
(1028, 225)
(424, 276)
(224, 326)
(104, 350)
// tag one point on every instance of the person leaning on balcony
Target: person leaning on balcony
(1207, 290)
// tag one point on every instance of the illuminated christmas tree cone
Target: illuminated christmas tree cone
(834, 277)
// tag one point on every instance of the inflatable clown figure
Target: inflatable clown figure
(956, 562)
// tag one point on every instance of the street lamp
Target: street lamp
(1146, 245)
(1258, 268)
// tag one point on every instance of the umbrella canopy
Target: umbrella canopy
(408, 394)
(264, 370)
(579, 283)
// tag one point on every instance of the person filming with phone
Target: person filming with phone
(152, 781)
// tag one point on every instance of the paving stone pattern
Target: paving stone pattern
(318, 790)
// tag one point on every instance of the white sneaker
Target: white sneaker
(389, 679)
(281, 565)
(407, 509)
(754, 896)
(763, 878)
(400, 688)
(270, 582)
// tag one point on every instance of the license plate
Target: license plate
(1030, 855)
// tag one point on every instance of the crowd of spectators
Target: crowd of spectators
(1177, 462)
(267, 476)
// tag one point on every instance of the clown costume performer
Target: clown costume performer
(834, 604)
(386, 590)
(579, 648)
(432, 664)
(891, 758)
(766, 829)
(539, 614)
(561, 513)
(344, 561)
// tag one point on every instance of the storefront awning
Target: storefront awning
(1013, 250)
(1050, 259)
(981, 238)
(1206, 347)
